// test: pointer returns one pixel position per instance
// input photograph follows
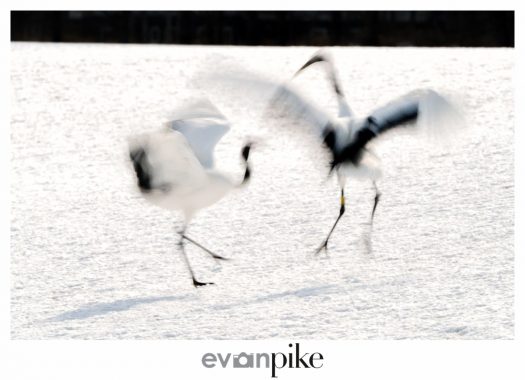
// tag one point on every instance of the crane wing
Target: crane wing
(287, 102)
(421, 106)
(426, 107)
(203, 126)
(286, 110)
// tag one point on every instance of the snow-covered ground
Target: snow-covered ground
(91, 259)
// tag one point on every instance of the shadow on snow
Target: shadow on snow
(300, 293)
(94, 309)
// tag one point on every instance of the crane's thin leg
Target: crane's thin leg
(376, 200)
(214, 255)
(181, 245)
(368, 236)
(341, 212)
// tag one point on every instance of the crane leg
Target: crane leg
(376, 200)
(188, 265)
(324, 246)
(209, 252)
(214, 255)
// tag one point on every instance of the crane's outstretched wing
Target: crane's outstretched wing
(324, 57)
(287, 102)
(203, 126)
(278, 100)
(285, 110)
(426, 107)
(422, 106)
(395, 113)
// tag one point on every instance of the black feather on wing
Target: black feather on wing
(397, 113)
(394, 114)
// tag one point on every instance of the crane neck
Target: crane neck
(245, 153)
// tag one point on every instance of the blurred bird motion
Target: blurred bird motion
(175, 167)
(346, 136)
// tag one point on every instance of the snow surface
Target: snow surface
(90, 259)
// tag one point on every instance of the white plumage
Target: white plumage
(175, 166)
